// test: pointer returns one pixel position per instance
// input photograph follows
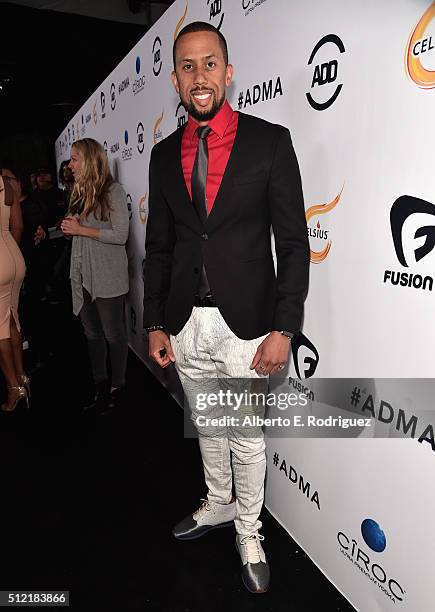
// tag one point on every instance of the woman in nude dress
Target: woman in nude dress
(12, 270)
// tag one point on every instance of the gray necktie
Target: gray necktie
(199, 185)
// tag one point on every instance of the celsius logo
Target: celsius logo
(139, 81)
(103, 104)
(143, 209)
(260, 93)
(305, 356)
(124, 84)
(325, 73)
(180, 115)
(375, 539)
(401, 218)
(140, 141)
(420, 48)
(250, 5)
(216, 14)
(180, 23)
(157, 59)
(320, 209)
(129, 203)
(157, 131)
(127, 152)
(94, 112)
(112, 96)
(373, 535)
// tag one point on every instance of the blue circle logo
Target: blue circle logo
(126, 137)
(137, 65)
(373, 535)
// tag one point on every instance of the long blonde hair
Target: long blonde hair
(91, 190)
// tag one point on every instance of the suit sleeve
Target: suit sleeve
(291, 236)
(159, 247)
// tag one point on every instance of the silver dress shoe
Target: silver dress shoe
(209, 515)
(255, 570)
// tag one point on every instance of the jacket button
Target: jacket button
(204, 236)
(196, 270)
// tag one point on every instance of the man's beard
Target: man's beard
(205, 115)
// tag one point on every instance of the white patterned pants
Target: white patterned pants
(210, 359)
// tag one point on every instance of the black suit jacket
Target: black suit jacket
(261, 188)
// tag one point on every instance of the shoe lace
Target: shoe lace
(204, 507)
(252, 543)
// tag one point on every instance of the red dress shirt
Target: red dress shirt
(220, 143)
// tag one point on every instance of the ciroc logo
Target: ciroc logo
(139, 81)
(181, 115)
(420, 50)
(402, 218)
(374, 537)
(216, 14)
(325, 73)
(127, 152)
(140, 140)
(317, 233)
(305, 356)
(112, 96)
(268, 90)
(103, 104)
(157, 59)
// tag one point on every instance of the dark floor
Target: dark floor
(87, 505)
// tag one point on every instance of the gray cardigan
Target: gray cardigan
(100, 266)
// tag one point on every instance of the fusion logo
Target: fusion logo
(94, 113)
(216, 14)
(305, 356)
(316, 232)
(157, 59)
(124, 85)
(180, 23)
(139, 81)
(140, 141)
(375, 539)
(401, 217)
(158, 135)
(250, 5)
(103, 104)
(143, 209)
(181, 115)
(127, 152)
(112, 96)
(268, 90)
(419, 52)
(129, 203)
(114, 148)
(325, 73)
(133, 320)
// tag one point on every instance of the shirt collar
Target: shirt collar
(219, 124)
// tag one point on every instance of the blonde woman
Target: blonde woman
(98, 222)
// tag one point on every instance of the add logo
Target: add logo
(216, 14)
(373, 535)
(103, 104)
(305, 356)
(140, 140)
(420, 50)
(112, 96)
(325, 73)
(129, 203)
(314, 211)
(157, 59)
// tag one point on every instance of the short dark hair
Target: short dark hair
(201, 26)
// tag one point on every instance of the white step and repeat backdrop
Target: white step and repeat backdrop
(355, 84)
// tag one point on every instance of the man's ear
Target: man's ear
(175, 81)
(229, 75)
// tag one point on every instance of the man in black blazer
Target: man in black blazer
(213, 303)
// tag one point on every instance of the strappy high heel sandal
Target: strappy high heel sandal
(25, 382)
(21, 397)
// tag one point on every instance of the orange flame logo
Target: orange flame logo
(421, 76)
(321, 209)
(143, 215)
(180, 23)
(156, 127)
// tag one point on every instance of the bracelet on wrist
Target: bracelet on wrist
(152, 328)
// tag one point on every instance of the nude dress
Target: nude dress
(12, 270)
